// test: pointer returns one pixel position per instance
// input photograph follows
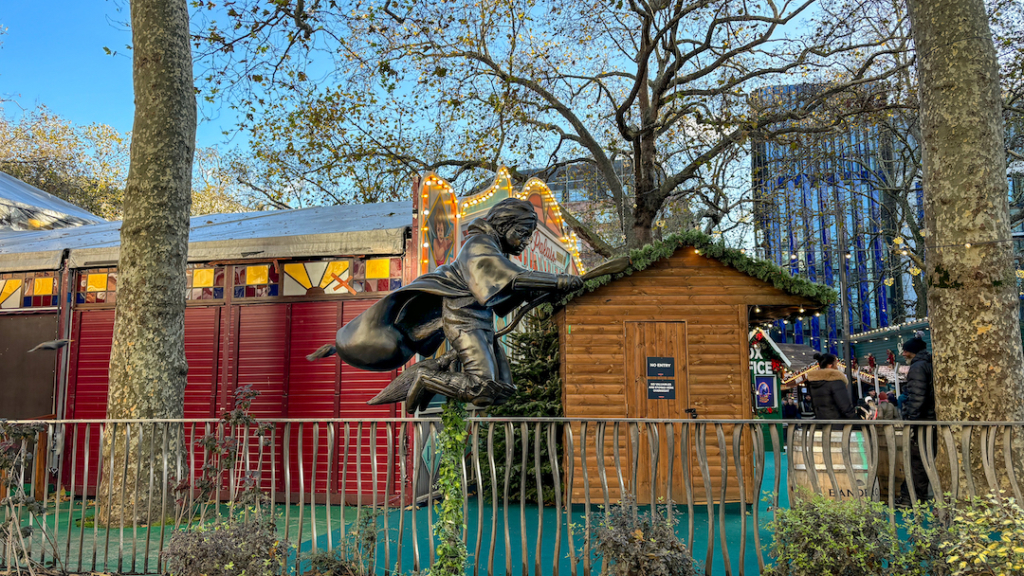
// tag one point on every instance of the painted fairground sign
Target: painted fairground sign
(442, 220)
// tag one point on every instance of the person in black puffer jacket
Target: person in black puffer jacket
(919, 405)
(830, 392)
(919, 387)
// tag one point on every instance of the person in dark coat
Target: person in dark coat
(919, 387)
(919, 405)
(829, 390)
(887, 407)
(887, 411)
(790, 411)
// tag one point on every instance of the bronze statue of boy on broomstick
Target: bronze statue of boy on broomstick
(457, 303)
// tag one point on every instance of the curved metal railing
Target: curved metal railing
(96, 483)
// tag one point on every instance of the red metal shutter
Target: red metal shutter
(260, 360)
(357, 387)
(201, 354)
(87, 394)
(89, 382)
(91, 355)
(312, 387)
(90, 360)
(260, 363)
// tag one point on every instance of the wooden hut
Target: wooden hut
(668, 340)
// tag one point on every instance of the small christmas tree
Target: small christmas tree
(534, 361)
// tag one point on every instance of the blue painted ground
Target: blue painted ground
(737, 522)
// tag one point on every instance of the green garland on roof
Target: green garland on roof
(761, 269)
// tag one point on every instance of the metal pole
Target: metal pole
(843, 304)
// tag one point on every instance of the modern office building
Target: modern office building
(837, 209)
(821, 212)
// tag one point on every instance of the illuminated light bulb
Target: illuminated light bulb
(801, 310)
(425, 245)
(848, 256)
(696, 252)
(425, 212)
(757, 309)
(967, 245)
(792, 256)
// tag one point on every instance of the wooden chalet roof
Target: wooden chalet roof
(818, 294)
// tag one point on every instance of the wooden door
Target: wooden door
(656, 388)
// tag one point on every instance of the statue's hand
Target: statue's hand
(569, 283)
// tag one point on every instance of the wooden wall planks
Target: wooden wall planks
(712, 299)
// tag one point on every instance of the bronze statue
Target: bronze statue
(457, 303)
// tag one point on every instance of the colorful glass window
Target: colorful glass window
(10, 293)
(379, 275)
(341, 277)
(96, 282)
(256, 281)
(256, 275)
(97, 286)
(315, 278)
(378, 268)
(204, 282)
(42, 286)
(27, 290)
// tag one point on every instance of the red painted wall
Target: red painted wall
(262, 345)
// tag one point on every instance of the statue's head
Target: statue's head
(515, 221)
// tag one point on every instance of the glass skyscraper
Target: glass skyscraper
(846, 203)
(820, 212)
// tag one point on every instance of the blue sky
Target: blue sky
(53, 54)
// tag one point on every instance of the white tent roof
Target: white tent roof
(376, 229)
(20, 202)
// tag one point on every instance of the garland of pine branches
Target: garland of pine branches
(765, 270)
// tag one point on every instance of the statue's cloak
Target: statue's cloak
(408, 321)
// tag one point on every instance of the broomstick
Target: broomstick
(613, 266)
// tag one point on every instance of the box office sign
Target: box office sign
(661, 383)
(759, 365)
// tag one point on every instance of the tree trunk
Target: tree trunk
(147, 362)
(643, 223)
(646, 192)
(972, 296)
(921, 292)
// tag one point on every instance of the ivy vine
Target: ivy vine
(451, 552)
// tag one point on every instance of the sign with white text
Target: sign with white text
(661, 389)
(661, 367)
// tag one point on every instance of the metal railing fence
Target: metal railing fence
(534, 490)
